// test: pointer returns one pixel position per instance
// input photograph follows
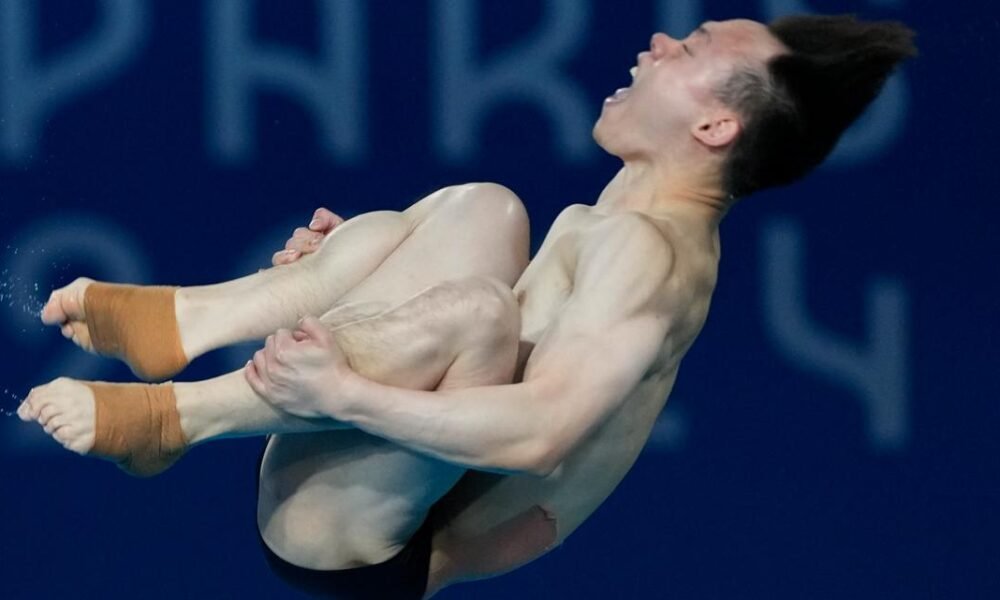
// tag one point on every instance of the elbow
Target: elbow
(542, 469)
(535, 458)
(543, 460)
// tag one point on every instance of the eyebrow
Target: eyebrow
(703, 31)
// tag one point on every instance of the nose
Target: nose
(661, 44)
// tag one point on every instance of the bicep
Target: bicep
(585, 376)
(607, 337)
(617, 299)
(580, 380)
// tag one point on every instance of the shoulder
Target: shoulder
(571, 216)
(633, 224)
(630, 241)
(623, 269)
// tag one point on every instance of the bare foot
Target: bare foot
(135, 426)
(135, 324)
(65, 309)
(65, 409)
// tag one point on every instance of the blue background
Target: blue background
(773, 473)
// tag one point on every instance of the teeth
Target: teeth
(633, 71)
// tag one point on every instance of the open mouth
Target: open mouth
(622, 93)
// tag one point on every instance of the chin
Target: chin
(603, 137)
(614, 145)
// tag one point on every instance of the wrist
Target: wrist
(350, 392)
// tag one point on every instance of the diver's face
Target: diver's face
(674, 84)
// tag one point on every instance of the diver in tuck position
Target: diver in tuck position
(449, 427)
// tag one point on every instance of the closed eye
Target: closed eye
(688, 50)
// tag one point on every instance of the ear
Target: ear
(717, 131)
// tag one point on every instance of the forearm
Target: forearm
(495, 428)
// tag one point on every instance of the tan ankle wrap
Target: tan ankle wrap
(138, 426)
(137, 325)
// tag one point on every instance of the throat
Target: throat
(653, 191)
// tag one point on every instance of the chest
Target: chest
(546, 285)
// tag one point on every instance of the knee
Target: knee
(374, 234)
(491, 206)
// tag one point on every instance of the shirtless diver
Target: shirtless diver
(457, 411)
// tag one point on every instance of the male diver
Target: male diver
(456, 411)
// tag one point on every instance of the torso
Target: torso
(487, 511)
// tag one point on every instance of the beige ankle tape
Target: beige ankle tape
(137, 426)
(137, 325)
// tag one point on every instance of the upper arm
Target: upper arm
(608, 334)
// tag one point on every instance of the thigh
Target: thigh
(344, 498)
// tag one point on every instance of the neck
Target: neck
(658, 191)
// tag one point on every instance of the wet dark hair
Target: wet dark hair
(795, 112)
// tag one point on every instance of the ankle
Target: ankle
(196, 419)
(195, 321)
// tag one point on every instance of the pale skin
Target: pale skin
(608, 307)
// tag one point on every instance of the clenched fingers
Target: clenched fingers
(324, 221)
(304, 240)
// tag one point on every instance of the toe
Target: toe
(63, 435)
(45, 414)
(52, 312)
(30, 410)
(80, 334)
(53, 425)
(75, 440)
(22, 411)
(66, 304)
